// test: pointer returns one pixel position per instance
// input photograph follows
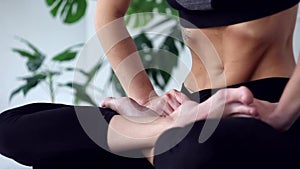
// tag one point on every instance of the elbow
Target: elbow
(108, 11)
(98, 17)
(102, 19)
(9, 143)
(6, 143)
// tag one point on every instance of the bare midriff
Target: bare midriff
(227, 55)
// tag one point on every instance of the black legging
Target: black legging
(46, 135)
(236, 142)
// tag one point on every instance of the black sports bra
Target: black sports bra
(212, 13)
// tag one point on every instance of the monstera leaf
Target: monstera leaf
(145, 11)
(70, 11)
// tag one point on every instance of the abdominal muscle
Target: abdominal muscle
(227, 55)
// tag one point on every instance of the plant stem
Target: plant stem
(52, 95)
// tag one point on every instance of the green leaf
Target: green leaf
(145, 10)
(50, 2)
(25, 54)
(166, 77)
(66, 55)
(32, 82)
(39, 76)
(55, 9)
(154, 75)
(80, 93)
(16, 91)
(71, 11)
(93, 71)
(142, 41)
(26, 88)
(170, 45)
(30, 45)
(75, 11)
(34, 65)
(35, 58)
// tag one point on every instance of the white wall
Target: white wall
(31, 20)
(297, 37)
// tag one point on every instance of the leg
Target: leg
(50, 136)
(236, 143)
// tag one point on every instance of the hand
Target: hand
(268, 114)
(229, 102)
(127, 106)
(167, 103)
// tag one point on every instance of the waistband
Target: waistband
(269, 89)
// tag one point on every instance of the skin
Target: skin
(283, 114)
(127, 131)
(260, 55)
(122, 54)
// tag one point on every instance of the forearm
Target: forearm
(142, 132)
(121, 50)
(124, 134)
(288, 107)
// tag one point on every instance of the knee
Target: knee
(7, 139)
(10, 145)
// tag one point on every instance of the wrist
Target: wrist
(281, 120)
(145, 101)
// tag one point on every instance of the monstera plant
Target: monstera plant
(139, 15)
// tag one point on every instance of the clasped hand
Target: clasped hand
(181, 110)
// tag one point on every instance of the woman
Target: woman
(45, 135)
(68, 144)
(229, 25)
(253, 40)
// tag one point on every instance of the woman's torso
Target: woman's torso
(241, 52)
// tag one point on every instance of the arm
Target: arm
(124, 58)
(121, 50)
(132, 131)
(283, 114)
(289, 105)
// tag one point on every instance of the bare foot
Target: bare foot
(224, 103)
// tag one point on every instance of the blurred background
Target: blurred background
(45, 46)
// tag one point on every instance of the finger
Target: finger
(180, 97)
(172, 101)
(167, 110)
